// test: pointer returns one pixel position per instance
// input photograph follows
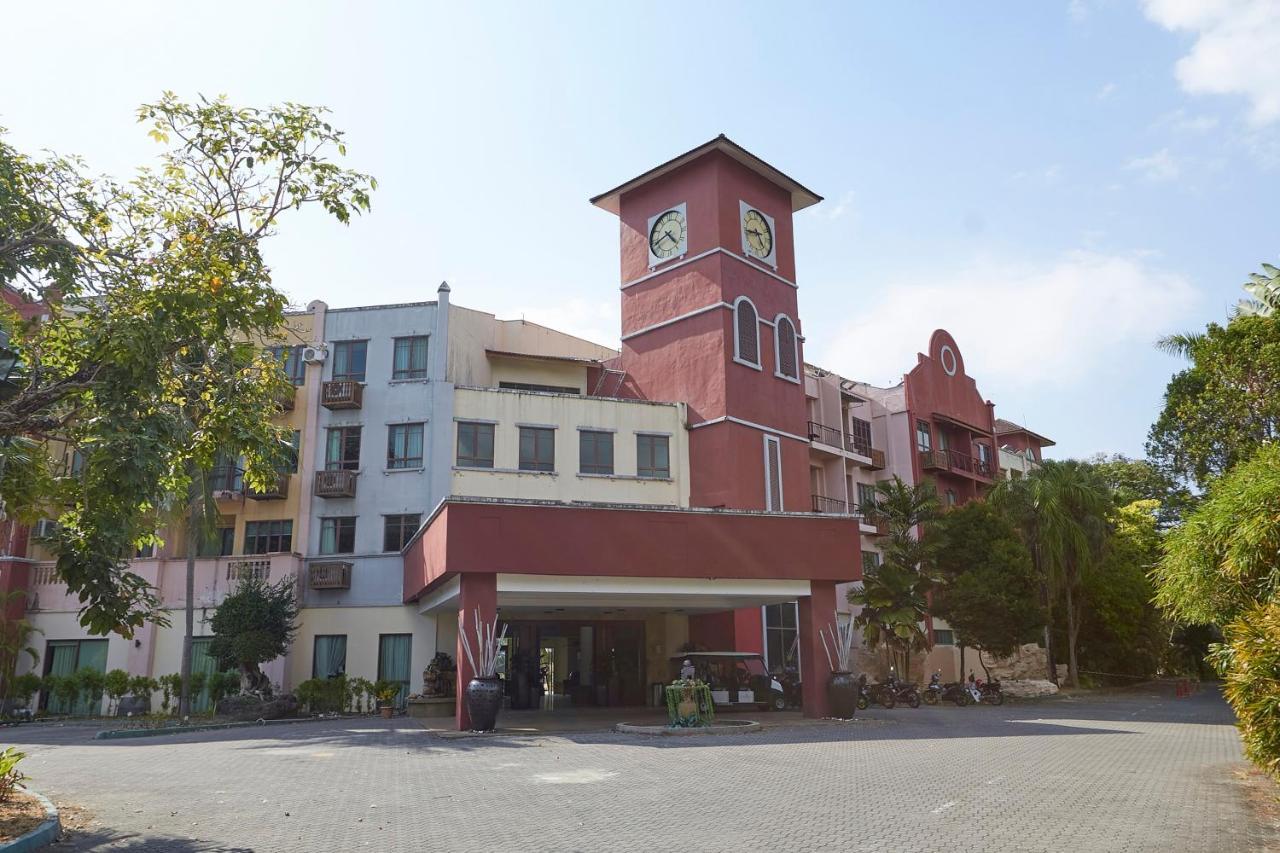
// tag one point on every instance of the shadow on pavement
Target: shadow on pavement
(115, 842)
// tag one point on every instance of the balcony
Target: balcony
(277, 491)
(226, 481)
(822, 434)
(934, 460)
(332, 574)
(340, 394)
(829, 506)
(255, 569)
(287, 397)
(335, 484)
(877, 521)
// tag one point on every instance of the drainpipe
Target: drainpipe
(311, 440)
(440, 435)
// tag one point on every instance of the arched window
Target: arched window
(784, 342)
(746, 327)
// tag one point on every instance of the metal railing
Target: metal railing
(829, 506)
(826, 434)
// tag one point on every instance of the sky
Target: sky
(1057, 184)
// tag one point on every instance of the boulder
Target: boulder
(1025, 688)
(248, 707)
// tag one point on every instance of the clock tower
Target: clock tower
(709, 317)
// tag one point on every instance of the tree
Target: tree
(155, 291)
(894, 595)
(987, 587)
(1222, 408)
(116, 685)
(253, 625)
(1264, 290)
(1131, 480)
(1060, 511)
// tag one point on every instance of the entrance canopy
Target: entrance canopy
(546, 550)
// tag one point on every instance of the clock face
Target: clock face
(758, 235)
(667, 236)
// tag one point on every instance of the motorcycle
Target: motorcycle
(868, 693)
(990, 692)
(903, 691)
(952, 691)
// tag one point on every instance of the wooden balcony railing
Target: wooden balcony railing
(342, 394)
(278, 491)
(877, 459)
(829, 506)
(333, 574)
(934, 460)
(335, 484)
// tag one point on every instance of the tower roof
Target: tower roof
(801, 196)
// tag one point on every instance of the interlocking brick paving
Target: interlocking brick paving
(1133, 772)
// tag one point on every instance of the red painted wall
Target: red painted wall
(620, 542)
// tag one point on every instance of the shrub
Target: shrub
(1250, 660)
(141, 687)
(116, 683)
(10, 775)
(198, 682)
(170, 687)
(67, 689)
(361, 691)
(386, 691)
(323, 695)
(221, 685)
(25, 685)
(92, 683)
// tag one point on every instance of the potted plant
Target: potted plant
(484, 690)
(386, 693)
(842, 689)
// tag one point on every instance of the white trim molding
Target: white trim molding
(737, 334)
(694, 313)
(777, 349)
(752, 424)
(694, 258)
(772, 453)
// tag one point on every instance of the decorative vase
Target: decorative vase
(484, 697)
(386, 711)
(842, 695)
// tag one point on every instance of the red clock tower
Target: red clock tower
(709, 317)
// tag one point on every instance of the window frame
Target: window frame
(474, 461)
(342, 464)
(342, 526)
(769, 502)
(597, 439)
(410, 372)
(536, 464)
(406, 530)
(652, 471)
(290, 357)
(737, 333)
(923, 428)
(401, 463)
(278, 535)
(315, 643)
(347, 346)
(794, 376)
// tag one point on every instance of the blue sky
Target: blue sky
(1058, 184)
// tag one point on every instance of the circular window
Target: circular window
(948, 358)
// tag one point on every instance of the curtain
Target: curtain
(61, 661)
(330, 656)
(202, 661)
(393, 662)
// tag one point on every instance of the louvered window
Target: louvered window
(748, 331)
(786, 341)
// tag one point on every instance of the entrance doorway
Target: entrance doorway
(575, 663)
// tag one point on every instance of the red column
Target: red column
(816, 611)
(474, 591)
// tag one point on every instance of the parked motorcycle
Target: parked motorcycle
(903, 691)
(955, 691)
(990, 692)
(933, 691)
(868, 693)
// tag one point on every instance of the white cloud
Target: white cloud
(1019, 325)
(1236, 51)
(841, 207)
(1160, 166)
(596, 321)
(1106, 91)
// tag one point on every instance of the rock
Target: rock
(1028, 687)
(247, 707)
(134, 705)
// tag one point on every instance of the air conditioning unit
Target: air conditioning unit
(315, 355)
(46, 528)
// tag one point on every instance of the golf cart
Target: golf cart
(736, 679)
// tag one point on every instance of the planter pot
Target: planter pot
(386, 711)
(484, 697)
(842, 695)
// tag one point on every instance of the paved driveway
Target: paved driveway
(1135, 772)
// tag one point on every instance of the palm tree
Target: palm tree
(1060, 509)
(1264, 288)
(894, 594)
(15, 641)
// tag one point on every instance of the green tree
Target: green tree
(253, 625)
(1060, 510)
(893, 596)
(1222, 408)
(116, 685)
(155, 291)
(15, 642)
(987, 587)
(1131, 480)
(1264, 292)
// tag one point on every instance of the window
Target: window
(342, 449)
(866, 497)
(202, 660)
(349, 359)
(550, 389)
(397, 530)
(784, 341)
(220, 543)
(924, 439)
(410, 360)
(329, 658)
(746, 331)
(595, 452)
(780, 637)
(404, 446)
(951, 497)
(291, 360)
(475, 445)
(537, 449)
(772, 474)
(870, 560)
(338, 535)
(146, 552)
(66, 657)
(76, 464)
(653, 456)
(393, 662)
(944, 637)
(984, 457)
(268, 537)
(295, 444)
